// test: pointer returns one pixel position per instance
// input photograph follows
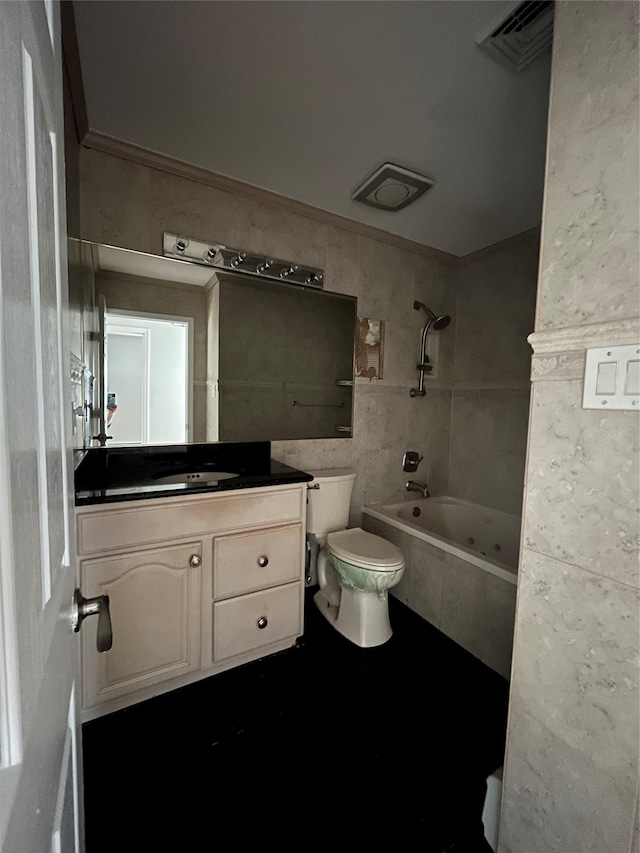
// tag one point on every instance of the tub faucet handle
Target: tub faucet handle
(411, 460)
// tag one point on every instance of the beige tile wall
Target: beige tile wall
(474, 608)
(571, 774)
(130, 205)
(495, 314)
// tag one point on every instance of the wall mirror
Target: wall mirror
(189, 354)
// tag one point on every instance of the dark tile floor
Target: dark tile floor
(322, 745)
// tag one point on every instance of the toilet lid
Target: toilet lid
(365, 550)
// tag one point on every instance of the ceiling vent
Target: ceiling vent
(392, 187)
(521, 36)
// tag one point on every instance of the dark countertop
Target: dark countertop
(109, 475)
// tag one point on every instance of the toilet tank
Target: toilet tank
(328, 505)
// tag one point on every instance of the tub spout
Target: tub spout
(414, 486)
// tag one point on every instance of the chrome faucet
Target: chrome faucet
(414, 486)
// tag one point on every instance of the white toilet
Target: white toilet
(354, 568)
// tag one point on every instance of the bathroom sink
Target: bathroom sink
(195, 477)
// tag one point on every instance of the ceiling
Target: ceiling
(306, 99)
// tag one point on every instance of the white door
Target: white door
(40, 764)
(148, 366)
(127, 368)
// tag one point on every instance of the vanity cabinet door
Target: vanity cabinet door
(155, 613)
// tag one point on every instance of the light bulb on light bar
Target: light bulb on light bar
(220, 256)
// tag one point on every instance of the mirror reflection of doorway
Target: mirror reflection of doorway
(148, 373)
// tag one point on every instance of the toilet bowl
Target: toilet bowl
(355, 569)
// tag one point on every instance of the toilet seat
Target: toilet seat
(365, 550)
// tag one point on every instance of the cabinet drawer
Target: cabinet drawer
(250, 561)
(236, 622)
(119, 526)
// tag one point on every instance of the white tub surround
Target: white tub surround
(455, 576)
(484, 537)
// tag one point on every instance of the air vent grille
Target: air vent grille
(523, 35)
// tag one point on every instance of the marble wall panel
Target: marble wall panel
(342, 266)
(463, 600)
(496, 311)
(393, 478)
(495, 314)
(566, 676)
(130, 205)
(583, 483)
(175, 200)
(429, 433)
(589, 271)
(571, 774)
(469, 605)
(116, 203)
(499, 621)
(488, 447)
(395, 418)
(426, 581)
(305, 454)
(556, 798)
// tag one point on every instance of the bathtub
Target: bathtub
(484, 537)
(461, 569)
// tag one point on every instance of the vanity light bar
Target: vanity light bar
(222, 257)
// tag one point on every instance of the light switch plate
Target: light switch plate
(612, 378)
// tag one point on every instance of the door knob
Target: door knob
(263, 561)
(195, 560)
(99, 606)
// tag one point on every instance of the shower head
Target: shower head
(438, 323)
(441, 322)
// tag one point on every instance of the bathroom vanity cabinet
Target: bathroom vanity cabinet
(197, 584)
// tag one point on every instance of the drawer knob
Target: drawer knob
(195, 561)
(263, 561)
(262, 622)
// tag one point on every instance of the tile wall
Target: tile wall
(572, 765)
(471, 425)
(131, 205)
(473, 607)
(495, 314)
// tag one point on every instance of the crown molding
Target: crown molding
(98, 141)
